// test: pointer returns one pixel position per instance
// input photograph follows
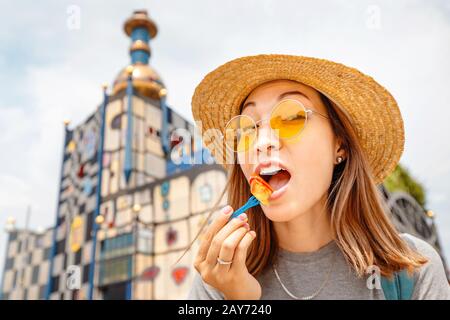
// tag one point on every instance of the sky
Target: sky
(54, 56)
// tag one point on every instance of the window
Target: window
(55, 284)
(14, 279)
(145, 242)
(39, 241)
(9, 263)
(13, 236)
(94, 158)
(78, 256)
(89, 224)
(47, 253)
(28, 258)
(169, 115)
(115, 270)
(116, 291)
(117, 246)
(61, 220)
(94, 190)
(86, 273)
(34, 275)
(42, 291)
(60, 246)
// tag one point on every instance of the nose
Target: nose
(267, 141)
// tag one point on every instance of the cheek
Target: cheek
(312, 163)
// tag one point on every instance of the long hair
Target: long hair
(357, 209)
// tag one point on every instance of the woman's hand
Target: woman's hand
(228, 240)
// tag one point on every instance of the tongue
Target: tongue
(280, 179)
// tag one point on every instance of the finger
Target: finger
(229, 245)
(221, 219)
(240, 254)
(216, 242)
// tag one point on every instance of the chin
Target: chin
(282, 211)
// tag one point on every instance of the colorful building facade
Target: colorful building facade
(131, 200)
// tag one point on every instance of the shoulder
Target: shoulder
(430, 279)
(425, 249)
(200, 290)
(421, 246)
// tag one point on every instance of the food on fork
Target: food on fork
(260, 189)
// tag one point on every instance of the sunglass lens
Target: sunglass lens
(288, 119)
(240, 133)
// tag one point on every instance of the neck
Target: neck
(307, 232)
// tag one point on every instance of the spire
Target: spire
(141, 29)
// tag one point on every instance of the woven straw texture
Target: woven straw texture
(372, 110)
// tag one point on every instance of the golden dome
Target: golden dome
(140, 28)
(145, 80)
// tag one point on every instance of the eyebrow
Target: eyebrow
(281, 96)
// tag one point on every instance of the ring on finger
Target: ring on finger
(220, 261)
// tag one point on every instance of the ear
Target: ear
(339, 150)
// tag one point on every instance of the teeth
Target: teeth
(270, 170)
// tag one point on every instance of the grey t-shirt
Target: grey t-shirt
(304, 273)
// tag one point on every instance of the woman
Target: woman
(322, 135)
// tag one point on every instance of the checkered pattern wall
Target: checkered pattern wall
(27, 265)
(171, 213)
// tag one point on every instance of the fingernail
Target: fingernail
(247, 226)
(253, 233)
(226, 210)
(243, 216)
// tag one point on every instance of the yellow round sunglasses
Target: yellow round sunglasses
(288, 119)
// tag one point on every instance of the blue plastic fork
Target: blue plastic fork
(252, 202)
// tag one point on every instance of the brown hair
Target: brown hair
(358, 213)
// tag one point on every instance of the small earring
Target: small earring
(339, 159)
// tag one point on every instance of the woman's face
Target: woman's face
(309, 158)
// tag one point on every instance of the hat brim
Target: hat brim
(371, 109)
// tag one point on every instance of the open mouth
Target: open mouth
(276, 177)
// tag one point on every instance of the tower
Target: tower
(126, 209)
(141, 29)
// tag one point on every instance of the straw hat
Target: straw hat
(370, 107)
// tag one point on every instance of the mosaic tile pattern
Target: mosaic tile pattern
(148, 222)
